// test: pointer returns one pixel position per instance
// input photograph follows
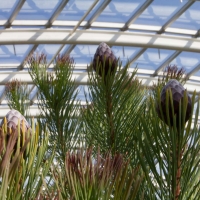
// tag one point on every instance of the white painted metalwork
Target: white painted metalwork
(141, 25)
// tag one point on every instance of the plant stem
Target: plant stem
(178, 175)
(111, 136)
(179, 153)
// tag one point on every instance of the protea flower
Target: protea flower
(177, 91)
(13, 117)
(104, 54)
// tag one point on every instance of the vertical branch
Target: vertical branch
(178, 169)
(109, 109)
(57, 94)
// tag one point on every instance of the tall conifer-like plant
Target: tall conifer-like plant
(57, 94)
(169, 148)
(115, 105)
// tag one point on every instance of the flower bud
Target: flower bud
(177, 91)
(104, 54)
(14, 117)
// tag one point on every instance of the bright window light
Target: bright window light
(145, 27)
(181, 31)
(107, 25)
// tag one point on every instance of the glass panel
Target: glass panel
(79, 61)
(64, 27)
(64, 49)
(195, 107)
(189, 19)
(81, 93)
(33, 91)
(125, 53)
(104, 29)
(151, 59)
(158, 12)
(119, 11)
(2, 89)
(37, 10)
(94, 10)
(75, 9)
(143, 31)
(197, 74)
(6, 8)
(83, 54)
(13, 54)
(187, 60)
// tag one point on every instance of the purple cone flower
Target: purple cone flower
(177, 91)
(104, 54)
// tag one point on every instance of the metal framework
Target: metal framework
(51, 36)
(91, 32)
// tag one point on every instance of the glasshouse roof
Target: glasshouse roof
(150, 34)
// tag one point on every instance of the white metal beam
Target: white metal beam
(136, 14)
(97, 13)
(51, 36)
(176, 15)
(82, 77)
(135, 57)
(14, 13)
(71, 47)
(163, 28)
(196, 69)
(166, 62)
(74, 29)
(33, 111)
(56, 13)
(48, 25)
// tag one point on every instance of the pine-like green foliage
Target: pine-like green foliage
(169, 155)
(141, 157)
(115, 105)
(57, 93)
(17, 94)
(23, 163)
